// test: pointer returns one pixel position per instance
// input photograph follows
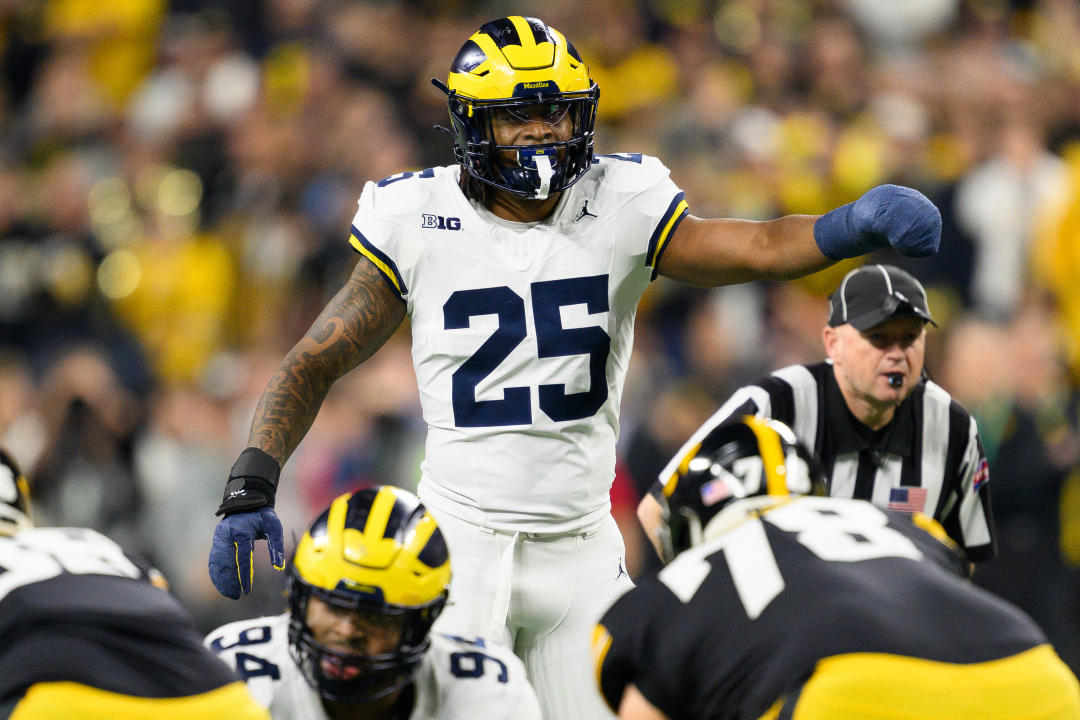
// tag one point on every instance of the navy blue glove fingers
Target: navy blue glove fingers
(231, 555)
(224, 570)
(244, 556)
(275, 538)
(885, 215)
(900, 216)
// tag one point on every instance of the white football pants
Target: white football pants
(541, 595)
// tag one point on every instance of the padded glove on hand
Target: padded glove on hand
(231, 555)
(887, 215)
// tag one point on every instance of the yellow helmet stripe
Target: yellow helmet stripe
(358, 546)
(423, 531)
(487, 44)
(524, 31)
(772, 455)
(684, 466)
(379, 515)
(529, 55)
(932, 526)
(24, 489)
(338, 508)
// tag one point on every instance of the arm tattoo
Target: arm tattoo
(355, 323)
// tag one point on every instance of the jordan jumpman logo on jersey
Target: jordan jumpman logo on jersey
(584, 211)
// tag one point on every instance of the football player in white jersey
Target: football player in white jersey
(368, 579)
(520, 269)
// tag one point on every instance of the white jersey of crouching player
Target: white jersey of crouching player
(457, 680)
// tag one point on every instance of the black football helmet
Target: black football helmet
(509, 64)
(741, 458)
(14, 496)
(377, 551)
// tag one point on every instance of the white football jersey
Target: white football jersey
(521, 333)
(458, 679)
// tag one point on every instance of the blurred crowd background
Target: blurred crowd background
(177, 181)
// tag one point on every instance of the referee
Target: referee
(880, 428)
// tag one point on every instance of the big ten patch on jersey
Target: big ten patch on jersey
(438, 222)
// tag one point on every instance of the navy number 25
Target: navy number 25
(552, 340)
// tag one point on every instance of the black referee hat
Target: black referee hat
(872, 294)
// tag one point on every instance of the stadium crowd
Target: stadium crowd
(177, 180)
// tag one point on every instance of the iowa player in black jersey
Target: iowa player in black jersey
(780, 604)
(89, 633)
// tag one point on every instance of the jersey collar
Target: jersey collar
(849, 435)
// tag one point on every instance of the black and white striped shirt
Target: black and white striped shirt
(928, 458)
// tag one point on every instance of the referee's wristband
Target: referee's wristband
(252, 482)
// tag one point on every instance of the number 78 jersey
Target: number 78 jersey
(521, 333)
(744, 618)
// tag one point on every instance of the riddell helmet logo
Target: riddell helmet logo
(531, 85)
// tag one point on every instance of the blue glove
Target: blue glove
(231, 555)
(888, 215)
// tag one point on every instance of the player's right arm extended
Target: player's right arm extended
(355, 323)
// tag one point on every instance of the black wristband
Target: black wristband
(252, 482)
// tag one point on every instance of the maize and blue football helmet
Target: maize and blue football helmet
(376, 551)
(506, 66)
(741, 458)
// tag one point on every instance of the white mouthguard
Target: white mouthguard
(543, 167)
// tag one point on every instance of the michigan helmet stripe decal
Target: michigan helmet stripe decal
(573, 51)
(526, 33)
(382, 261)
(772, 456)
(522, 46)
(339, 509)
(378, 520)
(539, 31)
(670, 220)
(503, 31)
(434, 553)
(468, 58)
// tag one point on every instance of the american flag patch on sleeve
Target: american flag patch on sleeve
(982, 474)
(907, 499)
